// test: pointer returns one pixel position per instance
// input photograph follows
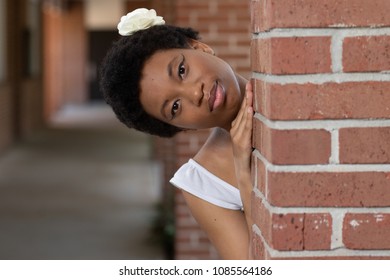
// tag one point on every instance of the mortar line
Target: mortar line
(321, 209)
(335, 147)
(336, 239)
(323, 78)
(318, 32)
(334, 168)
(328, 125)
(336, 51)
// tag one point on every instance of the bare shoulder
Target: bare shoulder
(226, 228)
(216, 155)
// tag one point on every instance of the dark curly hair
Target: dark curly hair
(121, 72)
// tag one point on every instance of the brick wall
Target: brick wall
(322, 128)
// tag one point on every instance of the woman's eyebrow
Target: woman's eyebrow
(163, 109)
(170, 66)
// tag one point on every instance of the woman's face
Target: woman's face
(190, 88)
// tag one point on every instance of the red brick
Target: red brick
(365, 145)
(281, 232)
(192, 5)
(366, 54)
(217, 19)
(286, 147)
(287, 232)
(257, 213)
(262, 218)
(231, 5)
(292, 231)
(258, 16)
(226, 30)
(292, 55)
(260, 175)
(329, 189)
(367, 231)
(270, 14)
(259, 249)
(301, 231)
(349, 100)
(317, 231)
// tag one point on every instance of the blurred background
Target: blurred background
(74, 182)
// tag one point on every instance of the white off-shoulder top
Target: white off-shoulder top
(197, 180)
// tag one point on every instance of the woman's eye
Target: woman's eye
(182, 70)
(175, 108)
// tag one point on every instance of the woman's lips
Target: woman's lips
(217, 96)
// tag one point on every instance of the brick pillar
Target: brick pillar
(322, 128)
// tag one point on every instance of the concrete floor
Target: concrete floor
(83, 189)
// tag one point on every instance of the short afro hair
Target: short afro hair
(121, 72)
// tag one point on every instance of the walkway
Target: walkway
(83, 189)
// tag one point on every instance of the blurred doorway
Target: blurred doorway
(101, 19)
(99, 42)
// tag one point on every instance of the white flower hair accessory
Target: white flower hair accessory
(138, 19)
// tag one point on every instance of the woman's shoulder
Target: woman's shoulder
(216, 155)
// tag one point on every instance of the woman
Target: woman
(161, 79)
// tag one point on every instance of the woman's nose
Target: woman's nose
(195, 93)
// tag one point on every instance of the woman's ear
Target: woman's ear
(197, 45)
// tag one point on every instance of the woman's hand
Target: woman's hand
(241, 134)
